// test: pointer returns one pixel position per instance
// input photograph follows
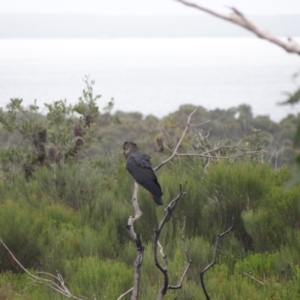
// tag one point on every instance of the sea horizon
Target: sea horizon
(151, 75)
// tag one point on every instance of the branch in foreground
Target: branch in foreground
(219, 236)
(59, 287)
(164, 269)
(240, 19)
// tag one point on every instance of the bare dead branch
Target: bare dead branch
(137, 213)
(188, 124)
(210, 152)
(253, 278)
(164, 269)
(189, 262)
(197, 125)
(137, 268)
(121, 296)
(222, 157)
(59, 287)
(139, 246)
(238, 18)
(219, 236)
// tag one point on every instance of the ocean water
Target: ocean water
(151, 76)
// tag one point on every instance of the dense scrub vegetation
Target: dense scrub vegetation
(80, 231)
(70, 214)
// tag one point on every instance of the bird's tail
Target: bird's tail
(157, 199)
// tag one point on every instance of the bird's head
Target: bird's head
(128, 147)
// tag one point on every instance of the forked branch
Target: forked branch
(164, 269)
(219, 236)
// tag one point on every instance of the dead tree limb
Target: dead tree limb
(174, 153)
(209, 152)
(164, 269)
(57, 283)
(221, 157)
(137, 213)
(240, 19)
(171, 287)
(139, 246)
(219, 236)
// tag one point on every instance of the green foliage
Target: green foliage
(88, 243)
(71, 215)
(62, 135)
(293, 98)
(277, 214)
(259, 265)
(19, 231)
(91, 276)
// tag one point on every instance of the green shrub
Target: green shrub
(19, 229)
(90, 275)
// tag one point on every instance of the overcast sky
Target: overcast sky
(146, 7)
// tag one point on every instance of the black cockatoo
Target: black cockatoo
(139, 166)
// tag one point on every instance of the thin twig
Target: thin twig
(221, 157)
(189, 261)
(219, 236)
(253, 278)
(121, 296)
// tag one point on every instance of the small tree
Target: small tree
(61, 135)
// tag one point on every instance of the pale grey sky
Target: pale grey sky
(146, 7)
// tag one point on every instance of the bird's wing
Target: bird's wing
(139, 166)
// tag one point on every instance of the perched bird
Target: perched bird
(139, 166)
